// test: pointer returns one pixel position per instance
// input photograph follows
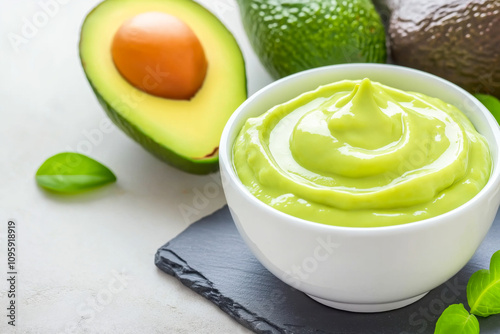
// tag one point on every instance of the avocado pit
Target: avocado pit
(161, 55)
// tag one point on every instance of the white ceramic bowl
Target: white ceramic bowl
(362, 269)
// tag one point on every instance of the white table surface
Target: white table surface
(85, 262)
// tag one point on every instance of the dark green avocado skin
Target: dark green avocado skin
(290, 36)
(458, 40)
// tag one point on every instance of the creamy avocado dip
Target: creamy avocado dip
(362, 154)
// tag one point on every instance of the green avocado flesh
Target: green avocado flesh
(183, 133)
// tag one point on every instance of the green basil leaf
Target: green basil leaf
(483, 289)
(456, 320)
(492, 103)
(72, 172)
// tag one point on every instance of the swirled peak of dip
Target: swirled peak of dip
(362, 154)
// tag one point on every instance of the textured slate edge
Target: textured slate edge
(172, 264)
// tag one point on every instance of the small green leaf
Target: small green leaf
(456, 320)
(492, 103)
(483, 289)
(72, 172)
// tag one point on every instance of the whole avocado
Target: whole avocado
(458, 40)
(294, 35)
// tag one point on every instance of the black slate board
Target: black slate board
(210, 258)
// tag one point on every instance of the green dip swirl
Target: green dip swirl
(361, 154)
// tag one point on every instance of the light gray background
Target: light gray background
(85, 262)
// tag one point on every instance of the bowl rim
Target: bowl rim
(225, 160)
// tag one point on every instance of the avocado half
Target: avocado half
(183, 133)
